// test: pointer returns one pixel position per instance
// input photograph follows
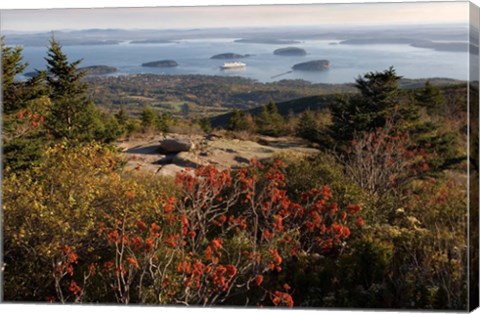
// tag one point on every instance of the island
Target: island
(270, 41)
(315, 65)
(161, 64)
(152, 41)
(290, 51)
(92, 70)
(229, 55)
(98, 70)
(442, 46)
(427, 44)
(377, 41)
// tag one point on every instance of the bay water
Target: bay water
(194, 57)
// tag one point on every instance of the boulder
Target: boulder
(174, 145)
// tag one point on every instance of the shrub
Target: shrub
(77, 230)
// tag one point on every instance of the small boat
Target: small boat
(233, 66)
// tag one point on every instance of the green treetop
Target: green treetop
(370, 109)
(381, 103)
(73, 114)
(431, 98)
(269, 121)
(14, 92)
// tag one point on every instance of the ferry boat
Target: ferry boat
(233, 66)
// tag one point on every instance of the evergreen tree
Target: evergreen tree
(382, 103)
(110, 129)
(164, 121)
(269, 121)
(16, 95)
(372, 108)
(236, 121)
(12, 65)
(431, 98)
(205, 124)
(73, 114)
(122, 116)
(249, 122)
(308, 127)
(24, 104)
(149, 119)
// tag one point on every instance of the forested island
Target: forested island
(428, 44)
(229, 55)
(315, 65)
(98, 70)
(207, 190)
(272, 41)
(88, 71)
(152, 41)
(290, 51)
(161, 64)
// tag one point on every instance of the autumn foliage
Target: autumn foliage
(223, 235)
(217, 237)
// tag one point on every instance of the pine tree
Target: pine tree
(23, 143)
(149, 119)
(205, 124)
(122, 116)
(12, 65)
(431, 98)
(236, 121)
(372, 108)
(73, 114)
(164, 121)
(307, 126)
(269, 121)
(382, 103)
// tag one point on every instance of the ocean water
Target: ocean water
(193, 57)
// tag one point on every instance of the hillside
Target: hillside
(294, 106)
(319, 102)
(199, 95)
(204, 95)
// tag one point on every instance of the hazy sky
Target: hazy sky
(234, 16)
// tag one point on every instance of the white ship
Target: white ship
(233, 66)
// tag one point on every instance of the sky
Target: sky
(234, 16)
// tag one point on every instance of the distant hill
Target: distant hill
(456, 46)
(295, 106)
(299, 105)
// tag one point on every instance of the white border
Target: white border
(46, 4)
